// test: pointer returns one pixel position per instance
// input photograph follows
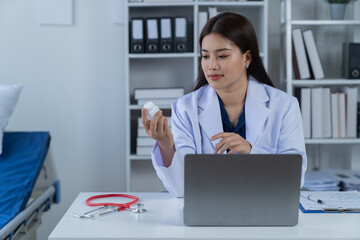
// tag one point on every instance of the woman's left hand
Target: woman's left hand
(232, 141)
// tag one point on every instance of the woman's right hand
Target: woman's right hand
(158, 129)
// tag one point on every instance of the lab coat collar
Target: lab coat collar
(209, 113)
(255, 108)
(255, 117)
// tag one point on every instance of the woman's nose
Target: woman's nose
(213, 64)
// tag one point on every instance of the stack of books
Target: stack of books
(332, 180)
(144, 143)
(159, 96)
(321, 181)
(329, 115)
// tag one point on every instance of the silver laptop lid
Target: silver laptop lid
(242, 190)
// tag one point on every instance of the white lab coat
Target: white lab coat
(273, 125)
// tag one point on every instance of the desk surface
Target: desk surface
(164, 220)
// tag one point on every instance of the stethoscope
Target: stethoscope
(110, 206)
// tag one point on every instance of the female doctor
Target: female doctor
(234, 107)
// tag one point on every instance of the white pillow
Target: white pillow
(9, 95)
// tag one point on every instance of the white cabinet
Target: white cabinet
(171, 70)
(329, 36)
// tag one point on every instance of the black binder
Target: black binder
(137, 36)
(152, 35)
(181, 43)
(166, 35)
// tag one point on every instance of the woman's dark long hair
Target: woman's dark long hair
(240, 31)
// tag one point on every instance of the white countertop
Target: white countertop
(164, 220)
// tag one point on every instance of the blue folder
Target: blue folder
(20, 164)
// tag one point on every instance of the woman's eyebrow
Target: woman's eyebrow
(217, 50)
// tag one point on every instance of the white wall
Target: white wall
(73, 87)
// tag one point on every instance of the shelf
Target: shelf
(232, 3)
(161, 4)
(140, 157)
(333, 141)
(324, 82)
(325, 22)
(138, 107)
(161, 55)
(146, 70)
(204, 3)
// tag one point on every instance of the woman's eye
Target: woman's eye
(204, 56)
(223, 56)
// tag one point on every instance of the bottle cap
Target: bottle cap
(151, 109)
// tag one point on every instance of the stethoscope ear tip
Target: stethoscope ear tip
(82, 216)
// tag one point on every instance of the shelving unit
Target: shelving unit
(316, 16)
(288, 23)
(163, 70)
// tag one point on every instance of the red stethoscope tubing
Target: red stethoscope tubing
(121, 206)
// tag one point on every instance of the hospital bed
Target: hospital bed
(28, 183)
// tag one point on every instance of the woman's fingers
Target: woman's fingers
(160, 126)
(144, 119)
(154, 124)
(232, 141)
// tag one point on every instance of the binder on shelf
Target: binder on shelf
(306, 111)
(351, 111)
(294, 62)
(358, 120)
(351, 60)
(313, 54)
(342, 114)
(212, 12)
(156, 93)
(152, 35)
(300, 53)
(166, 35)
(326, 113)
(316, 113)
(335, 116)
(203, 17)
(137, 36)
(181, 42)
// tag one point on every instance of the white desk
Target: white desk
(164, 220)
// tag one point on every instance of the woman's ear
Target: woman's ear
(248, 57)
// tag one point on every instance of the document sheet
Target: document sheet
(330, 201)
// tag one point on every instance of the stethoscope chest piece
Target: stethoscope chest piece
(137, 208)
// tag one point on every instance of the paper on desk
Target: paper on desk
(332, 199)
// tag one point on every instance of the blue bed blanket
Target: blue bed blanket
(20, 164)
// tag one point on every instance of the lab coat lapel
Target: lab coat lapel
(256, 111)
(209, 113)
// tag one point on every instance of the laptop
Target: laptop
(242, 190)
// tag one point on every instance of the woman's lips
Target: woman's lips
(215, 76)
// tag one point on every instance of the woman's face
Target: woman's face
(223, 64)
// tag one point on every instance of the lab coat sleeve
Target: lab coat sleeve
(291, 137)
(173, 176)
